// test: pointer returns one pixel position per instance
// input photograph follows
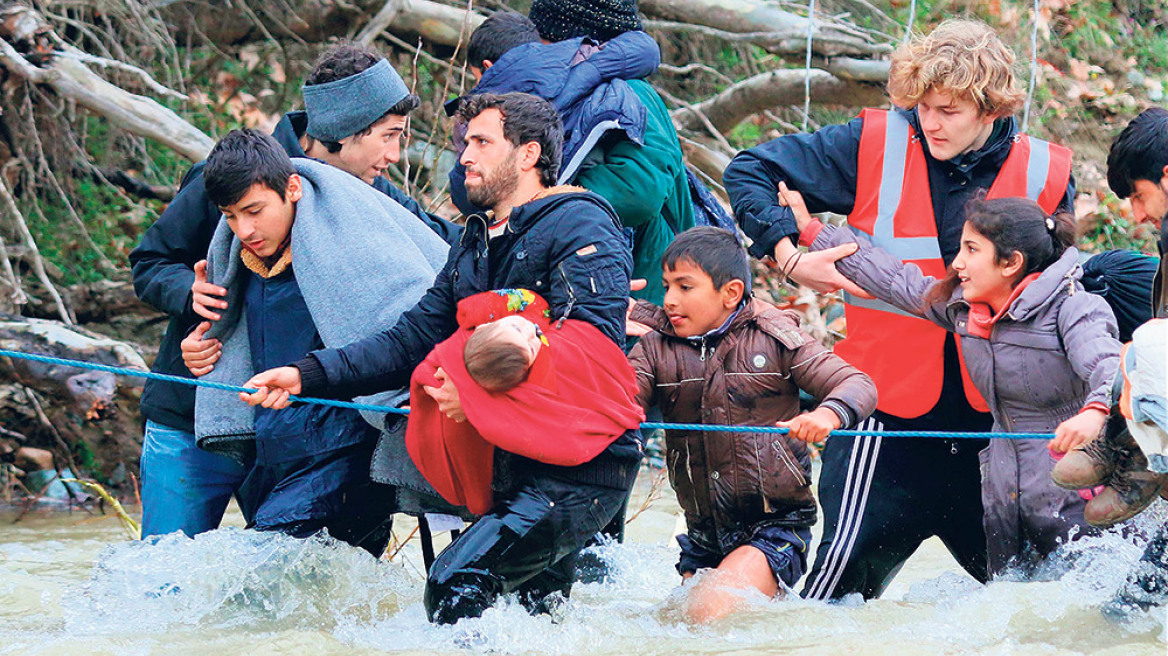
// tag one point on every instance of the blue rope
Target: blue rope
(194, 382)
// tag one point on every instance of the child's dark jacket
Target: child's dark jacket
(750, 373)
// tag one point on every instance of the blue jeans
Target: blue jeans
(183, 487)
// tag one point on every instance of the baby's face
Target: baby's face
(521, 332)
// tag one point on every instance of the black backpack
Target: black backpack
(1124, 280)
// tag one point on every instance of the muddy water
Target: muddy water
(69, 586)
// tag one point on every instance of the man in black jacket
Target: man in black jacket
(184, 488)
(561, 242)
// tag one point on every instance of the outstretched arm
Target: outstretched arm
(379, 362)
(880, 274)
(821, 165)
(846, 394)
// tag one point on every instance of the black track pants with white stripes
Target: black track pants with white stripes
(883, 496)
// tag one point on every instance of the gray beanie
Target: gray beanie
(344, 107)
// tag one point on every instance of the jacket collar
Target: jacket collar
(739, 316)
(524, 216)
(995, 150)
(288, 132)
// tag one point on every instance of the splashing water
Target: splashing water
(234, 578)
(65, 589)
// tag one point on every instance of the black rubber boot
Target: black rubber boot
(1147, 585)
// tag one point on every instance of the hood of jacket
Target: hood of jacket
(581, 80)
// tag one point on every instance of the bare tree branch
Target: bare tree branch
(38, 264)
(762, 23)
(380, 21)
(773, 89)
(147, 79)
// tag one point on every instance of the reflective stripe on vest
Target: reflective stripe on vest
(894, 210)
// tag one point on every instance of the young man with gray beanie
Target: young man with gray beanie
(356, 109)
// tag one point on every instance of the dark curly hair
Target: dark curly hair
(343, 60)
(526, 118)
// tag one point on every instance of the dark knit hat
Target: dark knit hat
(601, 20)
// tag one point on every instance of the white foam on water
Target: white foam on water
(235, 591)
(233, 578)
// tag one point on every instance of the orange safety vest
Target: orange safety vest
(904, 354)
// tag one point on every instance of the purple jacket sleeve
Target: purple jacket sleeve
(882, 275)
(1089, 334)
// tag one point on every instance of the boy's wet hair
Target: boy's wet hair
(243, 158)
(717, 252)
(960, 58)
(501, 32)
(1140, 152)
(346, 59)
(526, 118)
(495, 365)
(1013, 225)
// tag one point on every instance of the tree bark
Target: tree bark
(772, 28)
(774, 89)
(71, 79)
(313, 21)
(82, 406)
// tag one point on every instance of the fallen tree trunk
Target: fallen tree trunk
(313, 21)
(775, 89)
(72, 80)
(763, 24)
(71, 410)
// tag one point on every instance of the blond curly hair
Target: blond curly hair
(960, 58)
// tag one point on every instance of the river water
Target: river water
(71, 585)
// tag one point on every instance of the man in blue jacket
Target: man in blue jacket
(561, 242)
(184, 488)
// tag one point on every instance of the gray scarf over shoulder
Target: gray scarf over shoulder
(361, 260)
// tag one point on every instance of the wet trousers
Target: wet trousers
(184, 488)
(883, 496)
(325, 491)
(527, 544)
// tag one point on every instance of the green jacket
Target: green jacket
(647, 186)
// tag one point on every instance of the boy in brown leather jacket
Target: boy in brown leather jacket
(713, 355)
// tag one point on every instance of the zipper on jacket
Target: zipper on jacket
(571, 295)
(787, 459)
(766, 503)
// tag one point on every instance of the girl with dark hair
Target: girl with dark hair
(1040, 350)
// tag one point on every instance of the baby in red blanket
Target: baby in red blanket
(559, 393)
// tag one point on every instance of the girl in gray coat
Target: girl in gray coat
(1041, 350)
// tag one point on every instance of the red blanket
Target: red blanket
(579, 397)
